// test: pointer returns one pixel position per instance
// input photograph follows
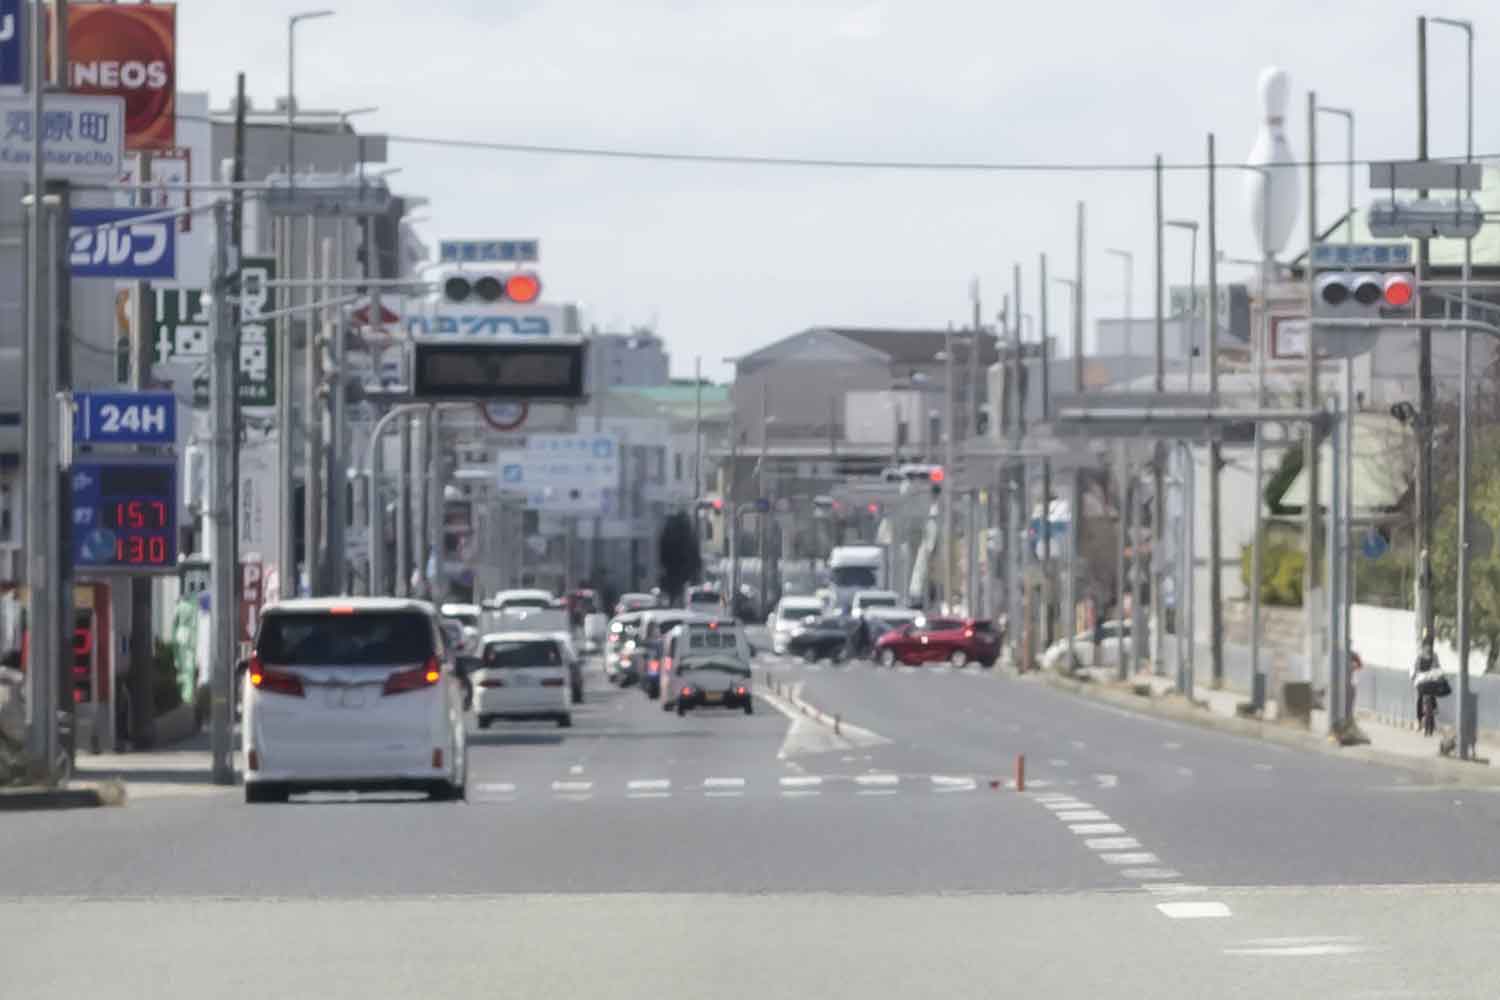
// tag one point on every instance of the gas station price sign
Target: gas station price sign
(124, 516)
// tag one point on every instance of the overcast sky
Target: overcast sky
(722, 260)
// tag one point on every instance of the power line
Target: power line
(813, 162)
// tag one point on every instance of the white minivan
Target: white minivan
(523, 675)
(352, 693)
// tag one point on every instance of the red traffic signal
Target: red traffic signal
(1341, 291)
(873, 508)
(1399, 289)
(520, 286)
(937, 475)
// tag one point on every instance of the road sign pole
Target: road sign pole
(224, 607)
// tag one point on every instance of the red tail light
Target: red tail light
(552, 682)
(654, 666)
(414, 679)
(739, 690)
(273, 681)
(688, 692)
(968, 633)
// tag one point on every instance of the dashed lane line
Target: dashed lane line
(1081, 816)
(1089, 829)
(1194, 910)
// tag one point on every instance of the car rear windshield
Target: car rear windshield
(703, 596)
(511, 603)
(854, 576)
(712, 639)
(877, 602)
(522, 653)
(361, 639)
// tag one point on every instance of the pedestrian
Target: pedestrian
(1356, 664)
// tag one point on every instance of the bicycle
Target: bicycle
(1427, 713)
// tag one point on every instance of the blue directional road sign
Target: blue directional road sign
(488, 251)
(12, 44)
(1374, 544)
(125, 418)
(123, 249)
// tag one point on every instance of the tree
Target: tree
(1484, 574)
(681, 557)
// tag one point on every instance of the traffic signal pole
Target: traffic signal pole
(224, 609)
(1313, 628)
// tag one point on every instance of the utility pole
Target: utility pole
(1016, 485)
(761, 517)
(338, 458)
(312, 419)
(224, 611)
(286, 480)
(1075, 501)
(1215, 520)
(1424, 375)
(949, 420)
(237, 241)
(1158, 458)
(1049, 620)
(142, 641)
(1312, 625)
(436, 471)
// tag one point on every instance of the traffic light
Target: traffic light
(873, 508)
(936, 478)
(1358, 293)
(715, 505)
(489, 289)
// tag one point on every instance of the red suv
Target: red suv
(958, 641)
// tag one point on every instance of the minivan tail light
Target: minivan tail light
(415, 679)
(654, 666)
(273, 681)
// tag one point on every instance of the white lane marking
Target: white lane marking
(799, 793)
(723, 782)
(648, 795)
(877, 791)
(1263, 767)
(1172, 889)
(1130, 858)
(1081, 816)
(1058, 762)
(1299, 951)
(576, 769)
(1112, 844)
(1149, 874)
(1046, 797)
(1278, 942)
(1186, 772)
(724, 795)
(1171, 746)
(1107, 780)
(945, 783)
(877, 779)
(572, 786)
(904, 669)
(801, 782)
(502, 787)
(1078, 744)
(1197, 909)
(649, 785)
(1089, 829)
(1062, 805)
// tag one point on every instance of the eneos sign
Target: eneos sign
(129, 51)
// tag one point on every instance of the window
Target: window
(854, 576)
(677, 467)
(522, 653)
(361, 639)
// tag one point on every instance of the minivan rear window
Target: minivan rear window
(362, 639)
(522, 653)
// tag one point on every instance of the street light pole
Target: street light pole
(1128, 650)
(1070, 540)
(1465, 722)
(1185, 454)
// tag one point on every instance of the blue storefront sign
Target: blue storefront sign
(12, 44)
(122, 248)
(125, 418)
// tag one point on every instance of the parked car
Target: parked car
(352, 693)
(958, 641)
(822, 637)
(522, 675)
(707, 665)
(788, 615)
(1107, 639)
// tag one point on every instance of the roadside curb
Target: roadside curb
(89, 795)
(787, 700)
(1439, 769)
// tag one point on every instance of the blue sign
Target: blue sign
(1362, 255)
(124, 515)
(529, 324)
(12, 43)
(1374, 544)
(488, 251)
(125, 418)
(132, 251)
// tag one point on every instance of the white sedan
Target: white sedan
(1110, 641)
(352, 693)
(523, 675)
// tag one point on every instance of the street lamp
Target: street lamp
(1192, 313)
(1465, 723)
(1348, 115)
(291, 86)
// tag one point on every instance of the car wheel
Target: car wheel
(987, 664)
(959, 658)
(681, 708)
(887, 658)
(565, 721)
(260, 793)
(749, 706)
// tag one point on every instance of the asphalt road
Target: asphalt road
(718, 854)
